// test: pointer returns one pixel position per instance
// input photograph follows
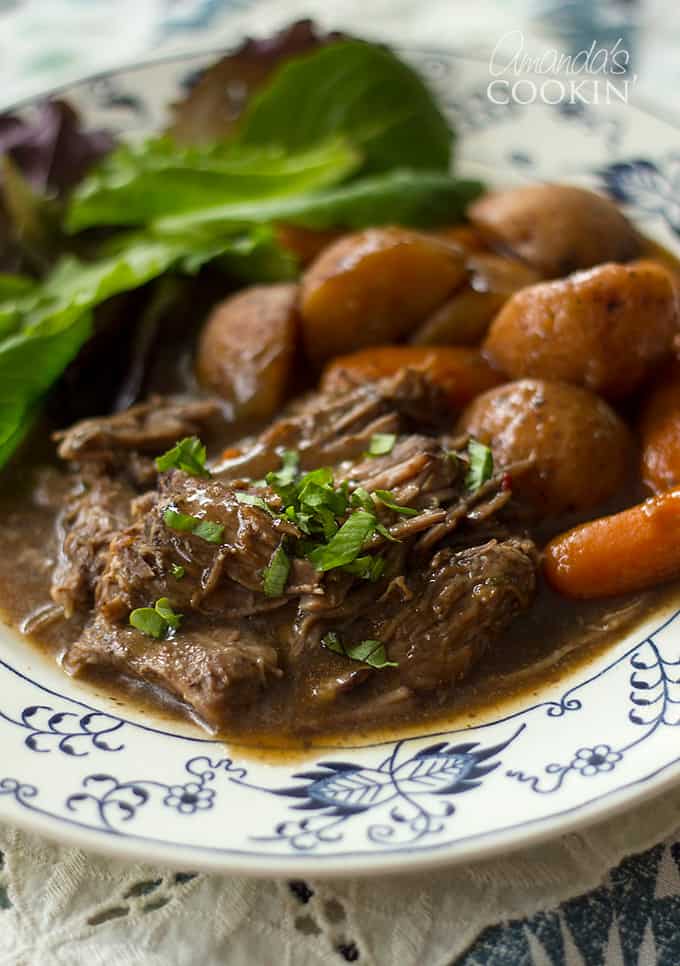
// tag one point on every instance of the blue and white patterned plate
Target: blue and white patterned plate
(80, 767)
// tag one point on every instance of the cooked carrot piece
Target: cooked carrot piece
(660, 432)
(468, 238)
(619, 554)
(464, 318)
(462, 373)
(305, 243)
(230, 453)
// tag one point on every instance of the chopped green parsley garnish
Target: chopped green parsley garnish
(205, 529)
(381, 444)
(177, 571)
(366, 567)
(157, 621)
(179, 521)
(362, 498)
(188, 454)
(333, 525)
(387, 500)
(251, 499)
(345, 545)
(283, 481)
(368, 652)
(480, 468)
(276, 574)
(209, 531)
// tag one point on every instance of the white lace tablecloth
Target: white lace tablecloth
(571, 901)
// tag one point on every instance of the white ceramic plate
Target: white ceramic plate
(79, 767)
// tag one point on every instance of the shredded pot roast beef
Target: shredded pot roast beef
(248, 587)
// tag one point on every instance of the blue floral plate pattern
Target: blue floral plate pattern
(83, 768)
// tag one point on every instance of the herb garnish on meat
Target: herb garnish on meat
(207, 530)
(276, 574)
(480, 466)
(157, 621)
(188, 454)
(367, 652)
(381, 444)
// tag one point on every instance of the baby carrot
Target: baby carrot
(660, 432)
(460, 372)
(626, 552)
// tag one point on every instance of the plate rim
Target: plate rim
(478, 846)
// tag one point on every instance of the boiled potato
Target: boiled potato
(373, 287)
(581, 448)
(660, 433)
(605, 329)
(246, 349)
(556, 228)
(461, 373)
(464, 318)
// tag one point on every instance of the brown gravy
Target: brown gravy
(540, 648)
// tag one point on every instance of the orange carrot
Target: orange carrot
(467, 237)
(619, 554)
(305, 243)
(660, 432)
(231, 453)
(461, 372)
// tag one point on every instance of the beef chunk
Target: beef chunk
(149, 427)
(223, 578)
(460, 606)
(418, 472)
(327, 429)
(437, 622)
(452, 580)
(90, 519)
(211, 671)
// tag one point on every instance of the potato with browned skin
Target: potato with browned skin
(555, 228)
(460, 372)
(246, 349)
(605, 329)
(374, 287)
(465, 317)
(581, 449)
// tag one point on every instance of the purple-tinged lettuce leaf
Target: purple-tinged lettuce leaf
(211, 110)
(50, 148)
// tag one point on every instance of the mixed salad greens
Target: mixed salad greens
(341, 135)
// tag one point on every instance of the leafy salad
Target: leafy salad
(334, 133)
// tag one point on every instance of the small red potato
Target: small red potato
(581, 449)
(246, 349)
(555, 228)
(374, 287)
(605, 329)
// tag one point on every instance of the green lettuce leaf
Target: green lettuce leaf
(138, 183)
(45, 328)
(359, 90)
(419, 198)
